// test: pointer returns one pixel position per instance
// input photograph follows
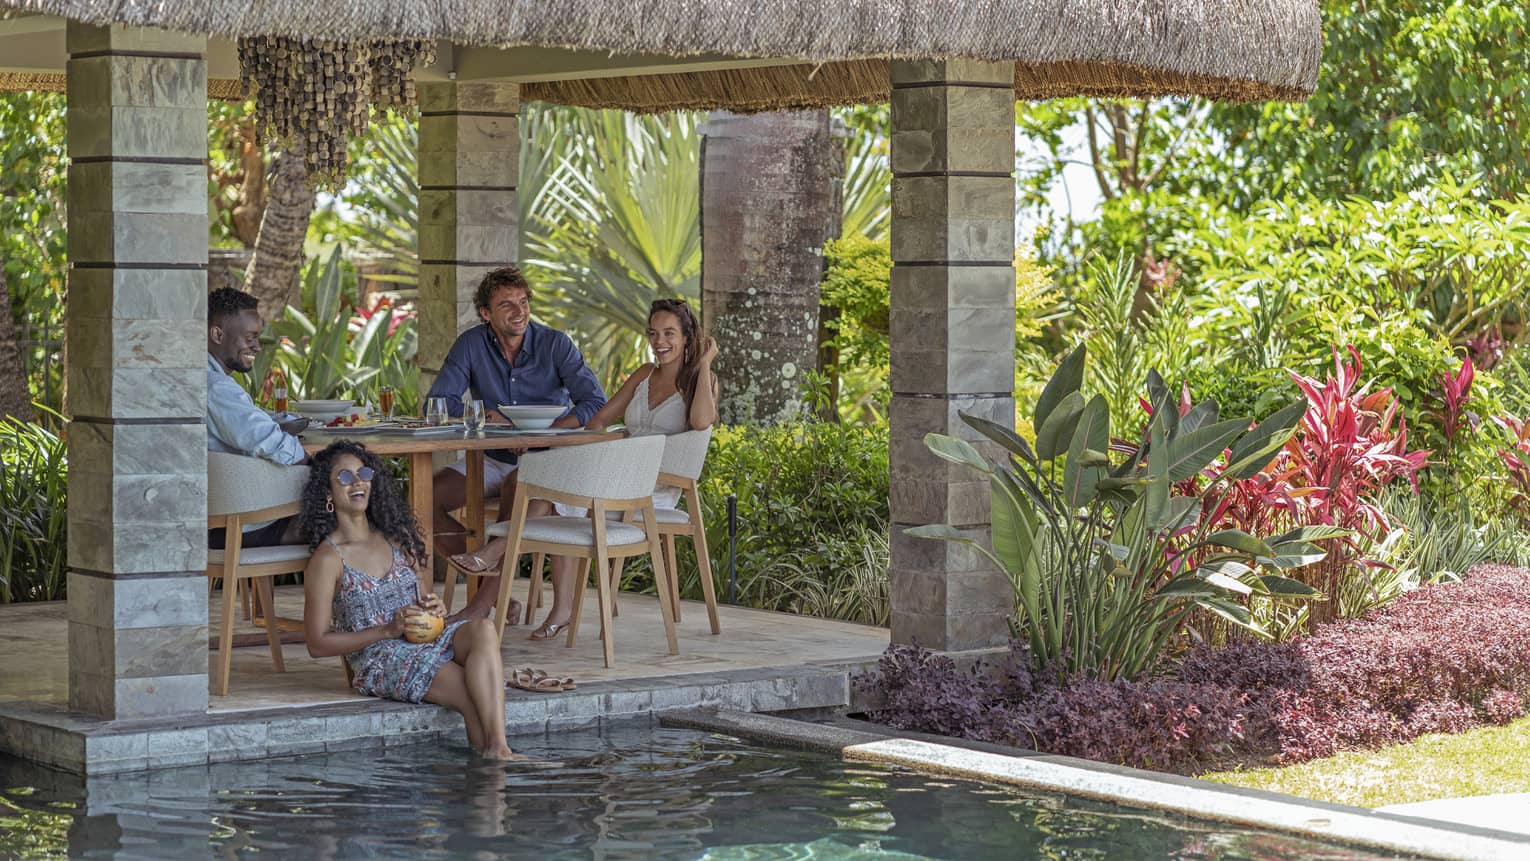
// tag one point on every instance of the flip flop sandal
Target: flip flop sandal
(564, 682)
(525, 680)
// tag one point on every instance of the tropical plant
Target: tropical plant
(327, 351)
(812, 520)
(614, 225)
(1107, 561)
(382, 199)
(1353, 443)
(866, 199)
(1104, 305)
(33, 179)
(34, 479)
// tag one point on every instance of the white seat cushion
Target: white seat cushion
(264, 555)
(668, 515)
(576, 531)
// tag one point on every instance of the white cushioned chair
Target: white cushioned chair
(616, 476)
(684, 456)
(244, 490)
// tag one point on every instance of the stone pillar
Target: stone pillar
(469, 155)
(135, 364)
(952, 336)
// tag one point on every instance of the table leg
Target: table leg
(421, 499)
(474, 523)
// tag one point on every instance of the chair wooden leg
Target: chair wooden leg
(703, 558)
(225, 639)
(265, 590)
(603, 594)
(674, 574)
(243, 589)
(450, 589)
(534, 587)
(507, 565)
(709, 591)
(578, 609)
(661, 576)
(616, 584)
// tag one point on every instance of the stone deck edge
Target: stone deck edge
(51, 735)
(1194, 798)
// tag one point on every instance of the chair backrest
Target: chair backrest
(238, 483)
(618, 469)
(686, 453)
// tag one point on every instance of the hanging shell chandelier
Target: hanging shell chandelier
(312, 95)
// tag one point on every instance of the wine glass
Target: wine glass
(435, 412)
(472, 416)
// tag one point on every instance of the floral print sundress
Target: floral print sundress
(395, 669)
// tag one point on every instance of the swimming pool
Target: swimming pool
(628, 793)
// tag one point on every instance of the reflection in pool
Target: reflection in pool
(629, 793)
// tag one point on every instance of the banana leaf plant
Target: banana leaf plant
(330, 350)
(1107, 559)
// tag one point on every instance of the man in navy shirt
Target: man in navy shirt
(508, 359)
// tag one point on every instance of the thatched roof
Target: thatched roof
(1223, 49)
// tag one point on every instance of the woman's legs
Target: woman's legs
(565, 579)
(477, 651)
(450, 689)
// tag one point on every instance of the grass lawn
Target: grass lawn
(1480, 762)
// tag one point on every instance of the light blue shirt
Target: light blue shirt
(235, 425)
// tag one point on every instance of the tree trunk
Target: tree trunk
(278, 254)
(251, 207)
(15, 397)
(769, 201)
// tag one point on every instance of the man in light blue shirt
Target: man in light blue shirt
(234, 424)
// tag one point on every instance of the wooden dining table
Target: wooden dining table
(420, 448)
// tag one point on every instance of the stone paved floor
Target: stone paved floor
(37, 660)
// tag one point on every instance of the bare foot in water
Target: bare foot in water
(502, 754)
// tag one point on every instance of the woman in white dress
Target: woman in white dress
(673, 394)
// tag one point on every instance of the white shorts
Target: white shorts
(494, 473)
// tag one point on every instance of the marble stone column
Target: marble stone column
(469, 154)
(135, 364)
(952, 336)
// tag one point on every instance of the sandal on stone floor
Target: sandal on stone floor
(564, 682)
(526, 680)
(547, 631)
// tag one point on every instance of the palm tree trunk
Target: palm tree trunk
(770, 200)
(15, 397)
(273, 269)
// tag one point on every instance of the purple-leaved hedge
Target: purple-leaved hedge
(1442, 658)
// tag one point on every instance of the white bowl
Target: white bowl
(532, 416)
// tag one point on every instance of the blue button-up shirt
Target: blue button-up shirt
(549, 369)
(236, 425)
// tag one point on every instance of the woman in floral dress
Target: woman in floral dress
(361, 595)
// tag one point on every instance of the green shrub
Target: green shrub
(812, 520)
(33, 481)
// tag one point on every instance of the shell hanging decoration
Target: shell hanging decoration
(313, 95)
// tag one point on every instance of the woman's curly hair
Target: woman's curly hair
(387, 511)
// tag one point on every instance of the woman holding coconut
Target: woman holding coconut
(361, 600)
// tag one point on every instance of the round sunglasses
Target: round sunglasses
(348, 478)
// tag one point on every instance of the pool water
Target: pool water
(629, 793)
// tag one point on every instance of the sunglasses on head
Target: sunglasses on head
(348, 478)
